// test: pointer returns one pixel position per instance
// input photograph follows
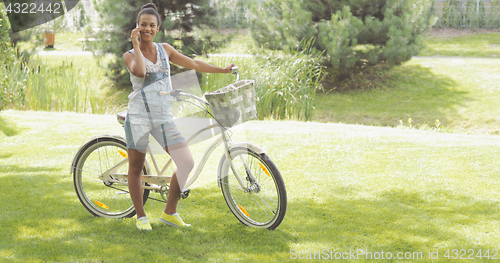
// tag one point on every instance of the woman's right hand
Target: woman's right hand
(135, 36)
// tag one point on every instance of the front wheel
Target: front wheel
(257, 196)
(101, 198)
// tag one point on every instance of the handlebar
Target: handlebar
(177, 93)
(235, 71)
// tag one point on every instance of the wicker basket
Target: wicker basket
(233, 104)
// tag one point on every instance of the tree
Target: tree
(353, 34)
(179, 19)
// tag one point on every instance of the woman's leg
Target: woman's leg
(183, 159)
(136, 164)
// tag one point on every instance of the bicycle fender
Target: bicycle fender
(255, 148)
(86, 144)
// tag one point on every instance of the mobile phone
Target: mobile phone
(137, 26)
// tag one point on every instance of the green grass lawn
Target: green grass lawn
(453, 93)
(63, 41)
(349, 187)
(472, 45)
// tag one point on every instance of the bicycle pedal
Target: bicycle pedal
(185, 193)
(156, 179)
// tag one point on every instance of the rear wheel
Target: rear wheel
(261, 201)
(101, 198)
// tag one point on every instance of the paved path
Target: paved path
(65, 53)
(89, 53)
(445, 57)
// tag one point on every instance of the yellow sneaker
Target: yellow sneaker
(172, 220)
(143, 224)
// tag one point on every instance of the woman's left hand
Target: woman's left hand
(228, 68)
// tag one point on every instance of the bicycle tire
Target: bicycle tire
(265, 208)
(112, 201)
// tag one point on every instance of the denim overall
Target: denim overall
(148, 110)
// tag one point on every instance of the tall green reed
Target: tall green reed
(211, 81)
(285, 82)
(34, 85)
(287, 85)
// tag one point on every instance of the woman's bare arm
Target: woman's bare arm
(135, 63)
(187, 62)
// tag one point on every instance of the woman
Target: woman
(149, 112)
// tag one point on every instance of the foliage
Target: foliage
(452, 14)
(354, 34)
(287, 85)
(447, 94)
(179, 20)
(33, 85)
(232, 13)
(466, 14)
(473, 16)
(492, 19)
(4, 34)
(20, 19)
(6, 57)
(285, 82)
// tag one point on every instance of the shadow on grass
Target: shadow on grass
(63, 230)
(20, 170)
(413, 92)
(44, 221)
(5, 155)
(398, 221)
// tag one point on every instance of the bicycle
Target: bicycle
(251, 183)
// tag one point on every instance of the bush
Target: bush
(354, 34)
(6, 57)
(285, 82)
(287, 85)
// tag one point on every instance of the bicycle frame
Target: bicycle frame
(158, 181)
(109, 175)
(251, 184)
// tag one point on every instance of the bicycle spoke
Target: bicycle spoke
(261, 202)
(262, 208)
(98, 198)
(235, 185)
(91, 170)
(270, 205)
